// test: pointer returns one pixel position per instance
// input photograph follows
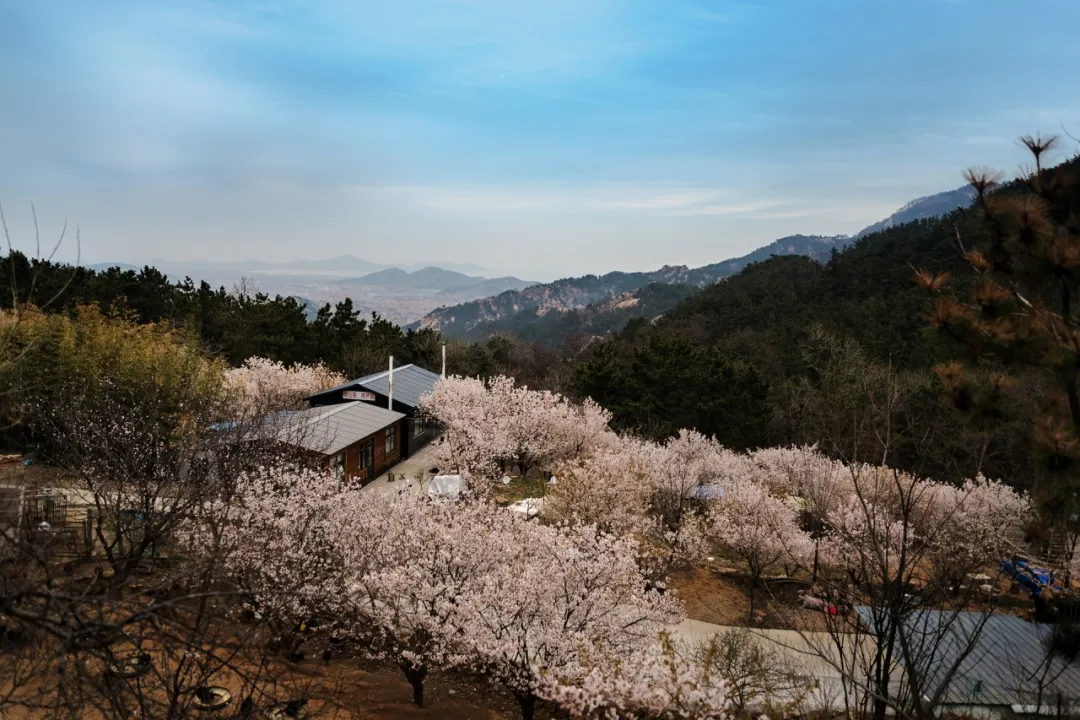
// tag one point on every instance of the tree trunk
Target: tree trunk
(527, 702)
(415, 676)
(880, 706)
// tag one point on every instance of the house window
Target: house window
(337, 465)
(418, 427)
(367, 455)
(391, 439)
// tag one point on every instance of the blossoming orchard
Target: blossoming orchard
(263, 385)
(571, 609)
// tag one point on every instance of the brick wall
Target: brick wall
(383, 460)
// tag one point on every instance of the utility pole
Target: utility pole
(444, 361)
(390, 394)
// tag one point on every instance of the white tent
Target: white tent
(446, 487)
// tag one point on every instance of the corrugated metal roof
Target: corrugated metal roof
(410, 382)
(1009, 659)
(330, 429)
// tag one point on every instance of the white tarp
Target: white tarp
(527, 508)
(446, 487)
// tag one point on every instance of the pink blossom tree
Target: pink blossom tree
(562, 595)
(472, 442)
(760, 529)
(648, 490)
(904, 543)
(386, 571)
(803, 472)
(280, 542)
(412, 569)
(496, 425)
(972, 525)
(263, 385)
(655, 681)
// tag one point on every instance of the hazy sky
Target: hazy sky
(545, 138)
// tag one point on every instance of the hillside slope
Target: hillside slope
(513, 310)
(925, 207)
(597, 319)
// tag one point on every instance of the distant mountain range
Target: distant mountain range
(464, 300)
(925, 207)
(341, 265)
(526, 312)
(434, 278)
(479, 318)
(402, 295)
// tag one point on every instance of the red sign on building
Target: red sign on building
(358, 395)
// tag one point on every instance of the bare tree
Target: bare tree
(759, 677)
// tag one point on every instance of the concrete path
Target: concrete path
(812, 656)
(405, 473)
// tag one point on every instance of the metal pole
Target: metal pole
(444, 361)
(390, 395)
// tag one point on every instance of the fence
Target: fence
(60, 527)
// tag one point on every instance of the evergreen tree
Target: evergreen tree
(1020, 314)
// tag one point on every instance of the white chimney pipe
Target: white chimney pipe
(390, 395)
(444, 361)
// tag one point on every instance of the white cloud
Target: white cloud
(651, 199)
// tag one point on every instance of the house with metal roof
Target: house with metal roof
(1010, 668)
(410, 383)
(355, 440)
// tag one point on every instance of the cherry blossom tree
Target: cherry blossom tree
(435, 585)
(655, 681)
(972, 525)
(496, 425)
(803, 472)
(472, 443)
(760, 529)
(411, 571)
(281, 542)
(564, 594)
(649, 490)
(609, 487)
(386, 571)
(263, 385)
(897, 547)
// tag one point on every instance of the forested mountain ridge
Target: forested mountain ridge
(516, 311)
(925, 207)
(552, 328)
(512, 310)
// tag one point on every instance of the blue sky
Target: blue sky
(547, 138)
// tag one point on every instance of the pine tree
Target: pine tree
(1019, 316)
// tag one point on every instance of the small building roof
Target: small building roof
(1007, 658)
(330, 429)
(410, 383)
